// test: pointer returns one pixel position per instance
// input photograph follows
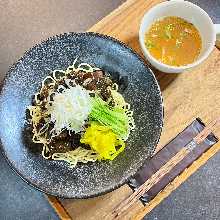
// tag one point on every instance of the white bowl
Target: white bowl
(188, 11)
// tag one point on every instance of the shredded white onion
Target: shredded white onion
(70, 109)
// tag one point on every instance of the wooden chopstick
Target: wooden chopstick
(207, 130)
(155, 178)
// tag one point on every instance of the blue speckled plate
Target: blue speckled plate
(24, 79)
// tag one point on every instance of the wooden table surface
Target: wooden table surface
(195, 93)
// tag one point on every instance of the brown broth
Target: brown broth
(173, 41)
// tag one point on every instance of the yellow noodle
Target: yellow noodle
(80, 154)
(72, 157)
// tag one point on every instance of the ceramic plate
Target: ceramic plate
(138, 85)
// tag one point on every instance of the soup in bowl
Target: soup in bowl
(176, 35)
(173, 41)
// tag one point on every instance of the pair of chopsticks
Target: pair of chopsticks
(126, 205)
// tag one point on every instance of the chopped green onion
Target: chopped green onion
(168, 28)
(150, 44)
(178, 43)
(168, 34)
